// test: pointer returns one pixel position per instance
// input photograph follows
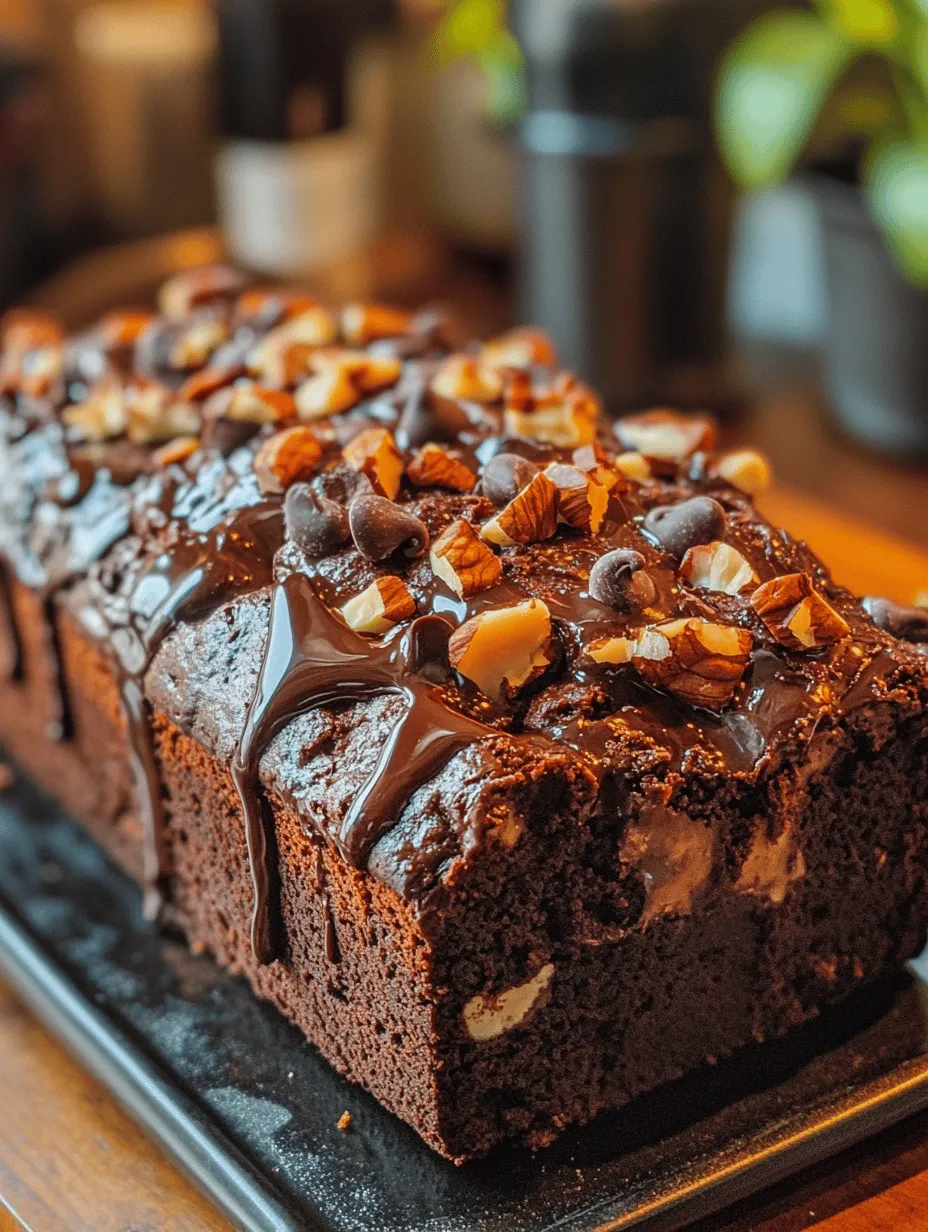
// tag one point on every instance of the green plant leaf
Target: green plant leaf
(471, 27)
(896, 185)
(872, 22)
(504, 68)
(920, 57)
(772, 84)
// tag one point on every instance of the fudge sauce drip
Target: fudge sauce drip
(313, 659)
(15, 662)
(200, 543)
(197, 574)
(67, 509)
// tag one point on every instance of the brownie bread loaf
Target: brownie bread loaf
(512, 754)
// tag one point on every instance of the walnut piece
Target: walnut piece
(154, 413)
(326, 393)
(503, 649)
(633, 466)
(581, 501)
(273, 304)
(197, 342)
(192, 288)
(745, 469)
(102, 416)
(255, 404)
(24, 330)
(282, 355)
(796, 614)
(463, 561)
(364, 323)
(287, 457)
(40, 369)
(488, 1015)
(668, 436)
(122, 328)
(695, 659)
(595, 462)
(176, 451)
(433, 466)
(563, 413)
(719, 567)
(612, 650)
(199, 385)
(373, 453)
(528, 518)
(462, 376)
(341, 378)
(523, 347)
(384, 604)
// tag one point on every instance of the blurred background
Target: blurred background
(713, 203)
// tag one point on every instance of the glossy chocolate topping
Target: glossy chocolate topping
(146, 549)
(312, 659)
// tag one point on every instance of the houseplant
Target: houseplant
(857, 69)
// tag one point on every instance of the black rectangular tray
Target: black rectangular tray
(249, 1109)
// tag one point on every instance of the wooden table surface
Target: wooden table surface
(72, 1161)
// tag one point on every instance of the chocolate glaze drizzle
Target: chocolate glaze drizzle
(203, 542)
(199, 573)
(15, 664)
(313, 659)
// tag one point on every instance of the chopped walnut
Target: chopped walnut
(384, 604)
(528, 518)
(364, 323)
(374, 453)
(341, 378)
(796, 614)
(287, 457)
(504, 649)
(581, 501)
(102, 416)
(695, 659)
(461, 376)
(563, 413)
(717, 566)
(666, 435)
(176, 451)
(282, 356)
(463, 561)
(433, 466)
(523, 347)
(154, 413)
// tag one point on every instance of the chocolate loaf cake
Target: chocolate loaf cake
(512, 754)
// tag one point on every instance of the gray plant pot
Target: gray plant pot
(876, 343)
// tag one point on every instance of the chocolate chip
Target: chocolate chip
(909, 623)
(619, 580)
(317, 525)
(343, 484)
(676, 528)
(504, 477)
(423, 416)
(380, 528)
(153, 349)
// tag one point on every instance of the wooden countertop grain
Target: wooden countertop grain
(70, 1159)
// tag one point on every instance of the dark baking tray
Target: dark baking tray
(249, 1109)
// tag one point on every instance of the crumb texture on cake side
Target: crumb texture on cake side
(510, 752)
